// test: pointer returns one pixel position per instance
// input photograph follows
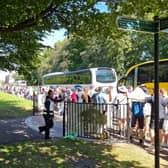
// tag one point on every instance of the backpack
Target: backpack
(137, 108)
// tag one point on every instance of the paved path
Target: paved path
(35, 121)
(15, 130)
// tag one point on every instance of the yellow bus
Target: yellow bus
(143, 73)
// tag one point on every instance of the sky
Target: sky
(54, 37)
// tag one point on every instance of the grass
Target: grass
(64, 153)
(12, 107)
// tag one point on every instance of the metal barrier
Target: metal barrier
(90, 120)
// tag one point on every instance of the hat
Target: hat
(122, 89)
(78, 87)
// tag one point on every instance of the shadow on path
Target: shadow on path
(15, 130)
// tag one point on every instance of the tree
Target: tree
(24, 23)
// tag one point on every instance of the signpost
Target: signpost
(135, 24)
(150, 27)
(156, 91)
(163, 23)
(140, 25)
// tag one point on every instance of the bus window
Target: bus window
(105, 75)
(85, 78)
(130, 78)
(145, 74)
(92, 76)
(163, 74)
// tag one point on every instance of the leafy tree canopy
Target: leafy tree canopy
(24, 23)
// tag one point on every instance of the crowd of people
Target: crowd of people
(76, 95)
(143, 112)
(20, 91)
(141, 106)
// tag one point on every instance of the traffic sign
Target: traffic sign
(163, 23)
(135, 24)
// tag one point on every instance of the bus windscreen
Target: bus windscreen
(105, 76)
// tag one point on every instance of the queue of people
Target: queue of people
(55, 98)
(141, 108)
(143, 115)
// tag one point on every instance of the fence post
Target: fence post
(65, 104)
(34, 105)
(128, 120)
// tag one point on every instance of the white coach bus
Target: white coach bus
(100, 76)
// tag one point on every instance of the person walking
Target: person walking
(48, 114)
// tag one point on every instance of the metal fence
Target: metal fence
(90, 120)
